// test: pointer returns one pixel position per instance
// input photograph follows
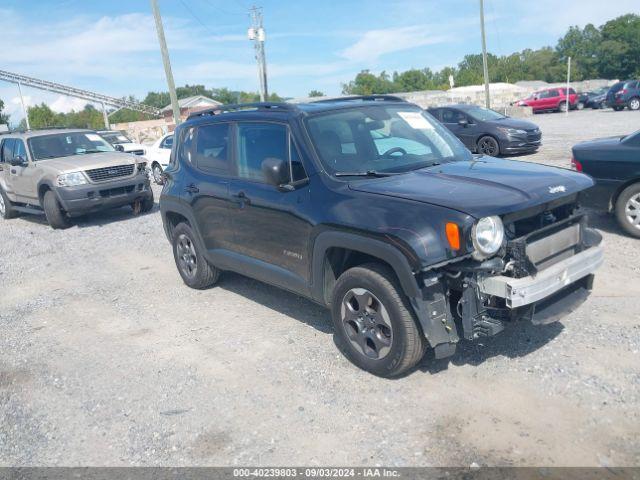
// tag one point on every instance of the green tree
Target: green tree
(582, 46)
(4, 118)
(41, 116)
(617, 55)
(316, 93)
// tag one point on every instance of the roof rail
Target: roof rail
(362, 98)
(237, 107)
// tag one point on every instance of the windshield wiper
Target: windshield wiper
(368, 173)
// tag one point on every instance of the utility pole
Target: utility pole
(24, 107)
(487, 99)
(568, 80)
(167, 64)
(105, 117)
(257, 35)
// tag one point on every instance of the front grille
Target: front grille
(108, 173)
(534, 135)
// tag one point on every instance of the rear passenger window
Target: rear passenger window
(186, 145)
(212, 147)
(6, 153)
(257, 142)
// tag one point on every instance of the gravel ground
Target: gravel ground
(107, 359)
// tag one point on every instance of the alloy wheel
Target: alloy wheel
(367, 323)
(632, 211)
(488, 146)
(634, 104)
(187, 259)
(157, 174)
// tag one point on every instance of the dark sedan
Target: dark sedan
(614, 163)
(486, 131)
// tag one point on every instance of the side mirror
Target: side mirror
(463, 122)
(119, 148)
(18, 161)
(276, 171)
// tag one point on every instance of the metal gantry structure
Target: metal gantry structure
(104, 100)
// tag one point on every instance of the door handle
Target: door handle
(241, 199)
(192, 189)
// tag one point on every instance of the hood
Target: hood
(88, 161)
(515, 123)
(482, 187)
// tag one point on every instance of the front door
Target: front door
(269, 223)
(451, 118)
(23, 177)
(6, 154)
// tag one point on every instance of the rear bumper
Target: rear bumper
(520, 292)
(101, 196)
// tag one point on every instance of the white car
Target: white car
(121, 142)
(158, 155)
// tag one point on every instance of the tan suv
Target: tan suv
(67, 173)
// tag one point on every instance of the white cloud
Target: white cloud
(376, 43)
(65, 104)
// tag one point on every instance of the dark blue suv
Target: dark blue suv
(370, 207)
(624, 94)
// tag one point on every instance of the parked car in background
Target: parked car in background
(121, 142)
(624, 94)
(158, 155)
(488, 132)
(550, 100)
(66, 173)
(614, 163)
(371, 208)
(595, 98)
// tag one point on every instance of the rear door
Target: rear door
(268, 223)
(206, 154)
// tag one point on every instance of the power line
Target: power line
(192, 13)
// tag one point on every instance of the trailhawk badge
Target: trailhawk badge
(557, 189)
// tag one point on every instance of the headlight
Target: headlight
(487, 236)
(71, 179)
(512, 131)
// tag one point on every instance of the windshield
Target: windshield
(115, 138)
(380, 138)
(484, 114)
(67, 144)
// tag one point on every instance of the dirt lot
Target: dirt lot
(106, 358)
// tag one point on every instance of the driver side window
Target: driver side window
(19, 150)
(6, 155)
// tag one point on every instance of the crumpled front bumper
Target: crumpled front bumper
(519, 292)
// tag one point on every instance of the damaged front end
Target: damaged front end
(543, 271)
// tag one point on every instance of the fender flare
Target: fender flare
(370, 246)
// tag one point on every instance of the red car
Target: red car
(550, 99)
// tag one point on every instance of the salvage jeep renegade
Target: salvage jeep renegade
(368, 206)
(66, 173)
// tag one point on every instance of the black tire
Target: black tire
(143, 206)
(562, 107)
(627, 210)
(634, 104)
(6, 207)
(617, 108)
(579, 106)
(156, 173)
(402, 346)
(53, 211)
(488, 146)
(201, 275)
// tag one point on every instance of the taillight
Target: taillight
(576, 165)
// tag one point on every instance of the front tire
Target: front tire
(627, 210)
(618, 108)
(143, 206)
(194, 269)
(156, 172)
(488, 146)
(53, 211)
(374, 323)
(6, 207)
(562, 107)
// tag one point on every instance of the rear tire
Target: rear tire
(53, 211)
(627, 210)
(579, 106)
(6, 207)
(488, 146)
(374, 323)
(634, 104)
(195, 270)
